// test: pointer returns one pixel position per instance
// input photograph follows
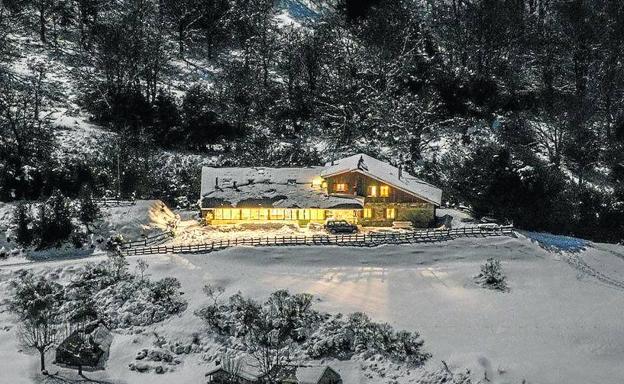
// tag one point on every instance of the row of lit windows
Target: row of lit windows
(373, 191)
(268, 214)
(389, 214)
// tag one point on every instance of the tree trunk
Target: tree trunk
(181, 39)
(42, 359)
(42, 27)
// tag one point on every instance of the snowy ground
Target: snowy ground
(558, 323)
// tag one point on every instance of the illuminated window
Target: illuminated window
(236, 214)
(227, 214)
(368, 213)
(245, 214)
(317, 182)
(384, 191)
(317, 214)
(254, 214)
(218, 214)
(263, 214)
(341, 187)
(372, 191)
(277, 214)
(302, 214)
(390, 213)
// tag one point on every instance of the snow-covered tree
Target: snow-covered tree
(492, 275)
(89, 210)
(37, 302)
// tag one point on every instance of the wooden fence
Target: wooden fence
(352, 240)
(114, 202)
(148, 240)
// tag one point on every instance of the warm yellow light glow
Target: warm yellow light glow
(384, 191)
(368, 213)
(265, 214)
(342, 214)
(340, 187)
(390, 213)
(372, 191)
(317, 181)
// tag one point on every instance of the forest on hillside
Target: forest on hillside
(514, 108)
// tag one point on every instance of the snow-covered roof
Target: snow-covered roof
(386, 173)
(294, 187)
(269, 188)
(219, 178)
(310, 375)
(239, 372)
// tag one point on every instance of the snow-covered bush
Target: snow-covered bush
(444, 375)
(121, 299)
(114, 242)
(358, 335)
(492, 275)
(134, 302)
(316, 334)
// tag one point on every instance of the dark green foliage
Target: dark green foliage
(22, 221)
(167, 129)
(53, 223)
(202, 125)
(25, 141)
(532, 89)
(492, 275)
(89, 210)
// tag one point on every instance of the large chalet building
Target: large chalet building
(359, 189)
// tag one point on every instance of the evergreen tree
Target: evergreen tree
(22, 221)
(89, 210)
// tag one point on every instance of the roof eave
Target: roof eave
(358, 170)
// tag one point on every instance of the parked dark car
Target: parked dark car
(340, 226)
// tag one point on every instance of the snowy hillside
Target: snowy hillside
(554, 325)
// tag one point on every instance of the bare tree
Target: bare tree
(38, 335)
(37, 302)
(232, 366)
(141, 267)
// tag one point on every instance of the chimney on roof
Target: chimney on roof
(217, 182)
(400, 171)
(361, 164)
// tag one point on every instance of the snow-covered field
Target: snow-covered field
(557, 324)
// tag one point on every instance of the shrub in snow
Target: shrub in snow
(290, 318)
(492, 276)
(135, 303)
(358, 335)
(444, 375)
(114, 242)
(121, 299)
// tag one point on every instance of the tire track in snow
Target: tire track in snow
(577, 262)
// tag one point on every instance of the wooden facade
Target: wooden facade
(383, 203)
(381, 196)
